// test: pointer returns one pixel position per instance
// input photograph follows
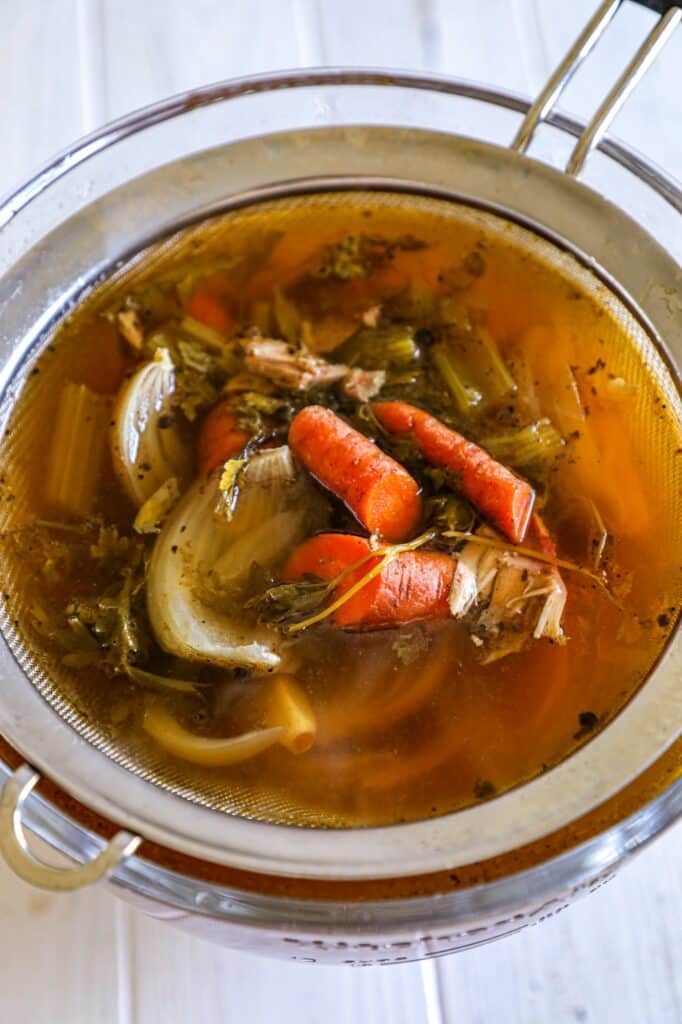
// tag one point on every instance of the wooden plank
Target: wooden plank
(58, 955)
(174, 969)
(401, 34)
(40, 110)
(614, 956)
(156, 48)
(649, 117)
(482, 42)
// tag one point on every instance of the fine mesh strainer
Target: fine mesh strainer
(80, 704)
(388, 134)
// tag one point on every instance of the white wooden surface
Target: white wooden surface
(67, 66)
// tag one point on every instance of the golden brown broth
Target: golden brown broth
(401, 742)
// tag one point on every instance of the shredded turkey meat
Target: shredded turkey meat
(363, 384)
(511, 598)
(130, 326)
(295, 369)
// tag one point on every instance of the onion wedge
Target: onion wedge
(195, 543)
(213, 753)
(146, 442)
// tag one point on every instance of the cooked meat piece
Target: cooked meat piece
(512, 598)
(370, 317)
(296, 369)
(363, 384)
(130, 326)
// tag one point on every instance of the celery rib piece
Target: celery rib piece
(537, 442)
(375, 348)
(473, 369)
(76, 451)
(500, 378)
(465, 395)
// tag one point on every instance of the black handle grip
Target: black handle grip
(660, 6)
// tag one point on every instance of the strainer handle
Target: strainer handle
(582, 47)
(15, 851)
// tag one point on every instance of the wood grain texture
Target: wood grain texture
(58, 956)
(616, 957)
(613, 957)
(154, 49)
(40, 103)
(222, 985)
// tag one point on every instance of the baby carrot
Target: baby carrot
(540, 537)
(327, 555)
(503, 497)
(414, 585)
(211, 309)
(379, 492)
(219, 438)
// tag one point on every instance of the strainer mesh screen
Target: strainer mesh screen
(638, 363)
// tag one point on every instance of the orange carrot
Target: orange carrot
(414, 585)
(503, 497)
(210, 309)
(379, 492)
(219, 438)
(540, 537)
(327, 555)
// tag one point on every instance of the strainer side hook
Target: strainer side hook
(15, 851)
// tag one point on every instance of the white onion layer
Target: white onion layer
(145, 452)
(196, 540)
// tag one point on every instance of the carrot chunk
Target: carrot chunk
(540, 537)
(219, 438)
(501, 496)
(326, 556)
(415, 585)
(211, 309)
(379, 492)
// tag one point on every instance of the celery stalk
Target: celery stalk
(376, 348)
(76, 450)
(464, 393)
(500, 380)
(539, 441)
(473, 369)
(287, 317)
(214, 339)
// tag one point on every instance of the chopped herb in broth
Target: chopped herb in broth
(355, 517)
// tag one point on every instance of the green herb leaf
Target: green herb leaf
(450, 512)
(286, 603)
(356, 256)
(250, 407)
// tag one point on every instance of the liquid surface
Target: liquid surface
(410, 722)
